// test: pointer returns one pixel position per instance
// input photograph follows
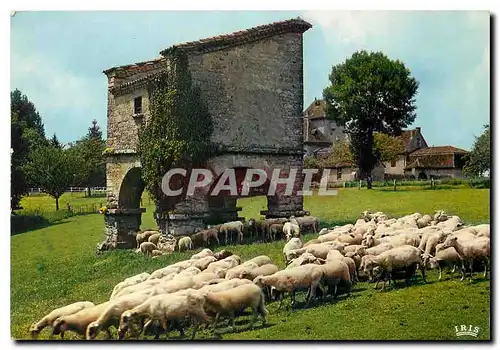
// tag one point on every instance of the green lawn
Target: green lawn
(57, 265)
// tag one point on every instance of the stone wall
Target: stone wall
(254, 92)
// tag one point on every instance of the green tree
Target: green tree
(387, 147)
(27, 133)
(479, 159)
(91, 166)
(54, 141)
(339, 153)
(52, 169)
(370, 92)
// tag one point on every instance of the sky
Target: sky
(57, 58)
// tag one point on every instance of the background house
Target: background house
(416, 159)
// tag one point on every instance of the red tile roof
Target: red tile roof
(134, 66)
(437, 150)
(296, 25)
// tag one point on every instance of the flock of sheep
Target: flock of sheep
(153, 243)
(209, 285)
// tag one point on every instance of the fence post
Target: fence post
(394, 184)
(359, 185)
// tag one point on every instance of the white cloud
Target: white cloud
(48, 84)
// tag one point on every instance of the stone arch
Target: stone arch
(131, 189)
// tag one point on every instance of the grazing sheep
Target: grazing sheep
(232, 228)
(291, 280)
(259, 229)
(350, 238)
(48, 320)
(355, 248)
(444, 257)
(143, 236)
(405, 257)
(308, 223)
(368, 262)
(328, 237)
(129, 282)
(294, 243)
(203, 254)
(146, 248)
(277, 221)
(305, 258)
(230, 301)
(203, 263)
(224, 264)
(234, 272)
(275, 230)
(111, 314)
(146, 285)
(222, 254)
(318, 250)
(164, 272)
(259, 260)
(189, 272)
(323, 231)
(334, 255)
(205, 237)
(202, 278)
(334, 272)
(312, 241)
(430, 246)
(78, 321)
(185, 243)
(424, 221)
(356, 258)
(263, 270)
(166, 307)
(477, 248)
(182, 265)
(440, 216)
(155, 238)
(482, 230)
(379, 249)
(224, 285)
(291, 230)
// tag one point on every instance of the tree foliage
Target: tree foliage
(27, 133)
(340, 153)
(52, 169)
(89, 150)
(179, 129)
(479, 159)
(387, 147)
(370, 92)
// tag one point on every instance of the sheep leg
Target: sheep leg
(440, 272)
(454, 267)
(108, 333)
(422, 270)
(215, 321)
(195, 328)
(486, 263)
(292, 296)
(471, 265)
(463, 271)
(281, 300)
(233, 320)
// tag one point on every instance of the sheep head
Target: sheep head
(60, 325)
(34, 330)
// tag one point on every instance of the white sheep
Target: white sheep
(334, 272)
(305, 258)
(334, 255)
(291, 280)
(234, 300)
(229, 228)
(292, 244)
(350, 238)
(185, 243)
(323, 231)
(477, 248)
(444, 256)
(379, 249)
(203, 263)
(482, 230)
(291, 230)
(224, 264)
(264, 270)
(318, 250)
(166, 307)
(129, 282)
(112, 312)
(259, 260)
(146, 248)
(48, 320)
(424, 221)
(203, 254)
(157, 274)
(143, 236)
(405, 257)
(234, 272)
(78, 321)
(148, 284)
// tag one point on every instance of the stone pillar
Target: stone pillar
(122, 225)
(187, 217)
(223, 209)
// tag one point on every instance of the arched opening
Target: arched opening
(131, 190)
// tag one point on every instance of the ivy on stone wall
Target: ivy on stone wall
(177, 135)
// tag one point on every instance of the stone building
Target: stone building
(416, 159)
(252, 84)
(319, 132)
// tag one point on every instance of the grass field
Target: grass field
(57, 265)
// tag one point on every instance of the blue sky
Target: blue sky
(57, 58)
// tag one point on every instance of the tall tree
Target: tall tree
(479, 159)
(92, 167)
(27, 133)
(52, 169)
(54, 141)
(370, 92)
(339, 153)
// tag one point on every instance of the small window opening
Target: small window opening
(138, 105)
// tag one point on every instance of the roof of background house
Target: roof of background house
(316, 109)
(295, 25)
(438, 150)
